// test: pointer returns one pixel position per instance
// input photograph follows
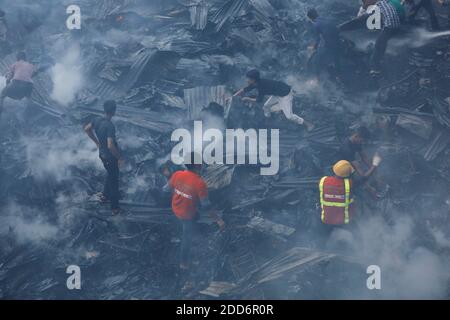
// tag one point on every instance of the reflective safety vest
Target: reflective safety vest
(335, 200)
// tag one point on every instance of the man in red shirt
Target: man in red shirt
(189, 194)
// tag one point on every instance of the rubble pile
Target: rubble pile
(168, 63)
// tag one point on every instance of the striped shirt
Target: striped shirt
(389, 15)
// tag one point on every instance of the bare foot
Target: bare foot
(116, 212)
(309, 126)
(184, 266)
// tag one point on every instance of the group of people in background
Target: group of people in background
(394, 14)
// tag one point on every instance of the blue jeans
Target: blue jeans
(329, 54)
(188, 227)
(111, 187)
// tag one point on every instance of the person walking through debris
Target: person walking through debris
(19, 83)
(103, 132)
(336, 192)
(280, 94)
(328, 51)
(428, 6)
(390, 21)
(189, 196)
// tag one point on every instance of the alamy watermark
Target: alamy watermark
(74, 280)
(73, 22)
(374, 280)
(236, 147)
(374, 20)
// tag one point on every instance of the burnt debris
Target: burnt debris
(168, 63)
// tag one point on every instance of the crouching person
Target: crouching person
(189, 198)
(337, 196)
(280, 99)
(19, 83)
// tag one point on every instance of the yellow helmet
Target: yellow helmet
(343, 169)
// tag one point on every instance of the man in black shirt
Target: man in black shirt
(102, 131)
(353, 146)
(280, 97)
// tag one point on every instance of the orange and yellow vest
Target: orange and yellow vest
(336, 200)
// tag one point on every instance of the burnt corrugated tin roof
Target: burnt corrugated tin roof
(198, 98)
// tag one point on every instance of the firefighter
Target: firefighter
(336, 192)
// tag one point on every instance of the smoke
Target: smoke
(2, 83)
(68, 214)
(327, 93)
(26, 224)
(115, 37)
(67, 76)
(54, 157)
(408, 269)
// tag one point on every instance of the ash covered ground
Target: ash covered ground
(164, 62)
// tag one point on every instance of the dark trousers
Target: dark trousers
(328, 55)
(186, 240)
(16, 90)
(111, 188)
(428, 6)
(326, 232)
(381, 45)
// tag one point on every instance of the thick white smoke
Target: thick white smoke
(55, 157)
(408, 269)
(67, 76)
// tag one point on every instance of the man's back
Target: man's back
(22, 71)
(104, 129)
(188, 189)
(389, 15)
(267, 87)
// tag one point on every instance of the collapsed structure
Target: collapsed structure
(169, 63)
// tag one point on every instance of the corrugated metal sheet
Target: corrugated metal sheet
(187, 46)
(218, 176)
(147, 64)
(233, 8)
(141, 60)
(228, 11)
(103, 8)
(263, 8)
(199, 15)
(198, 98)
(437, 145)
